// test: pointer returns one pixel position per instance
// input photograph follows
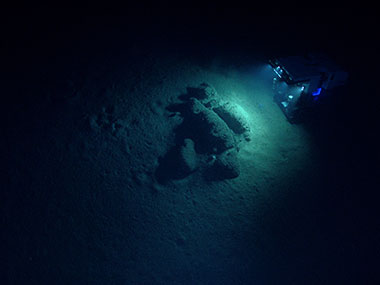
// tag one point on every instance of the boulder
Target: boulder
(210, 132)
(225, 166)
(233, 116)
(187, 157)
(203, 92)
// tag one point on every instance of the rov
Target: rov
(301, 83)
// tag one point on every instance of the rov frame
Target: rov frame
(301, 83)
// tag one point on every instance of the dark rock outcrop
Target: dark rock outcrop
(207, 138)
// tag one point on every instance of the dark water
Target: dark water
(47, 238)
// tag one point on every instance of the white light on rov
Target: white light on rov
(302, 88)
(278, 71)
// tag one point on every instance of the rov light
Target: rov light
(317, 92)
(278, 71)
(302, 88)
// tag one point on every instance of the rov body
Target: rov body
(301, 83)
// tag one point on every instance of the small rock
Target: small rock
(93, 122)
(188, 157)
